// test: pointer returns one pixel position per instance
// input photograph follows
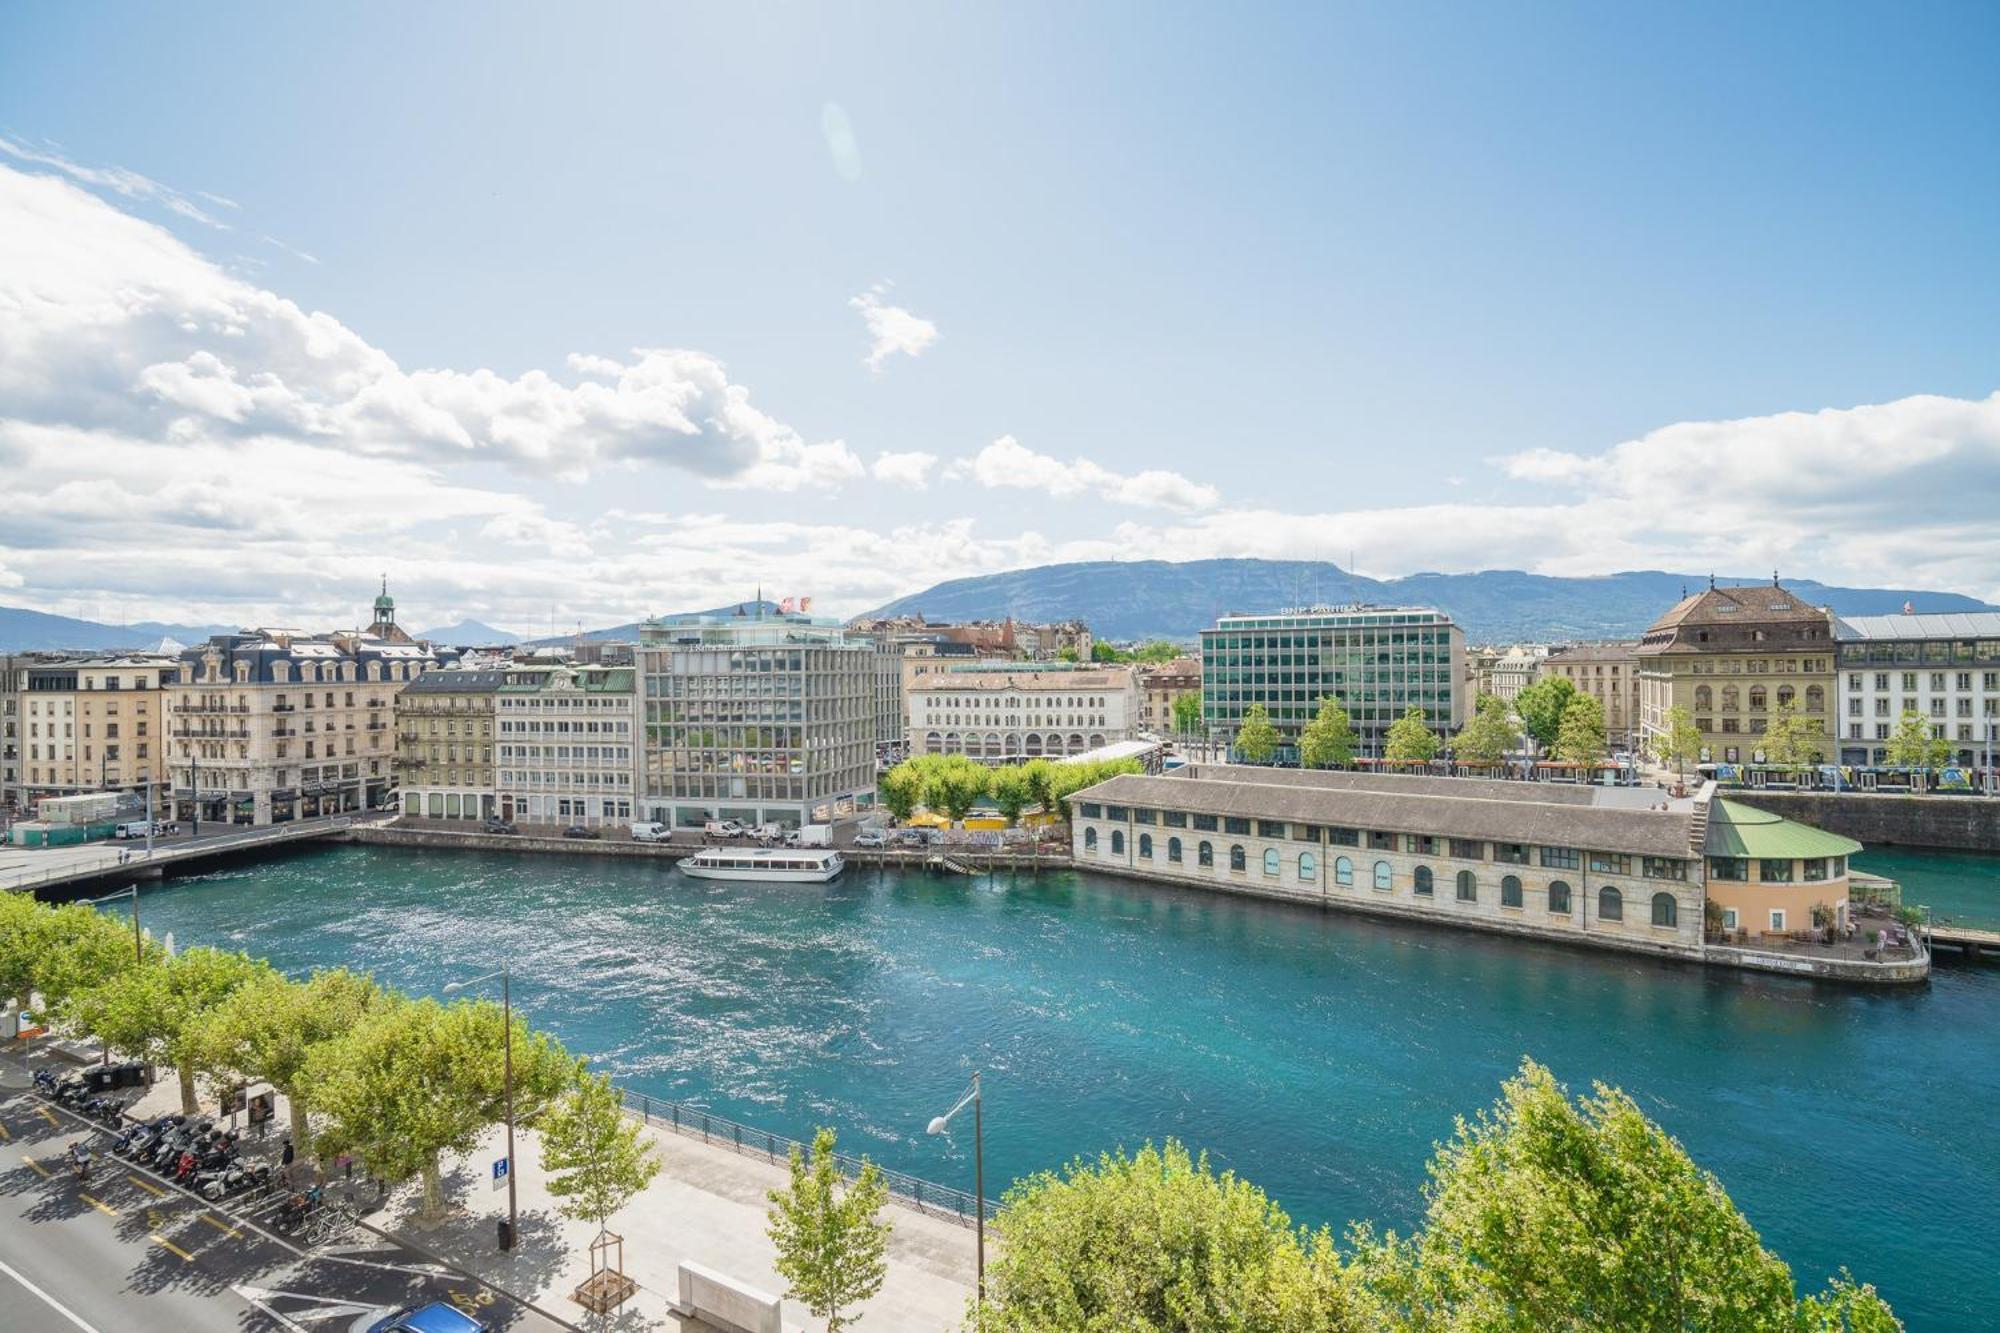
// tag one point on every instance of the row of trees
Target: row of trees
(1794, 740)
(1576, 734)
(1544, 1213)
(952, 785)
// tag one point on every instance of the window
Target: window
(1118, 842)
(1092, 810)
(1307, 867)
(1777, 919)
(1560, 858)
(1611, 863)
(1237, 861)
(1815, 869)
(1343, 872)
(1204, 855)
(1143, 816)
(1729, 918)
(1233, 824)
(1422, 881)
(1174, 818)
(1146, 845)
(1729, 867)
(1466, 850)
(1343, 837)
(1558, 897)
(1610, 904)
(1090, 840)
(1381, 842)
(1206, 823)
(1271, 860)
(1663, 867)
(1468, 887)
(1666, 912)
(1420, 844)
(1511, 853)
(1305, 833)
(1510, 891)
(1267, 828)
(1774, 872)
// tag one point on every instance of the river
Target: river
(1319, 1055)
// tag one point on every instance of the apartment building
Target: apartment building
(1946, 668)
(1160, 686)
(1608, 673)
(444, 743)
(566, 744)
(74, 723)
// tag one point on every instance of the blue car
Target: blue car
(437, 1317)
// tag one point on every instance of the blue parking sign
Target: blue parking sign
(499, 1172)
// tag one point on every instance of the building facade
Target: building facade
(1732, 657)
(1007, 712)
(1944, 667)
(1160, 686)
(1608, 673)
(83, 724)
(765, 718)
(566, 745)
(444, 744)
(1377, 661)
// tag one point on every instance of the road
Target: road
(26, 866)
(127, 1251)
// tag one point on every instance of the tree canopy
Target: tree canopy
(1679, 742)
(1187, 713)
(1582, 738)
(268, 1027)
(594, 1154)
(1328, 741)
(154, 1013)
(1912, 744)
(1409, 739)
(1256, 738)
(1011, 792)
(1542, 706)
(1486, 737)
(1793, 739)
(829, 1237)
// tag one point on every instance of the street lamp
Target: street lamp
(943, 1123)
(138, 940)
(507, 1046)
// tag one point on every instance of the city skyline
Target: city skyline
(272, 337)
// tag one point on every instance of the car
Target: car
(437, 1317)
(579, 831)
(871, 838)
(723, 828)
(651, 832)
(500, 826)
(912, 837)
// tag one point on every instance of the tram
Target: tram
(1951, 779)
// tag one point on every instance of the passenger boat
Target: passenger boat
(797, 865)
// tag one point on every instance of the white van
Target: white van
(810, 835)
(722, 828)
(644, 832)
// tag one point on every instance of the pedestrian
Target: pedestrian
(285, 1157)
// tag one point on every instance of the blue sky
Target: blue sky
(1453, 287)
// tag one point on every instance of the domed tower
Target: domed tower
(385, 614)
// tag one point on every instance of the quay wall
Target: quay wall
(1942, 823)
(390, 835)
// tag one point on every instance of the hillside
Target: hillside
(22, 630)
(469, 633)
(1156, 598)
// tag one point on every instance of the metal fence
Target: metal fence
(932, 1200)
(132, 854)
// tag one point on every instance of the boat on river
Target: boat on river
(796, 865)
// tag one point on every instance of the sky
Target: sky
(570, 314)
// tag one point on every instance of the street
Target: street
(27, 866)
(126, 1250)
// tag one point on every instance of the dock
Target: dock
(1968, 942)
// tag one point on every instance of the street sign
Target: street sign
(500, 1173)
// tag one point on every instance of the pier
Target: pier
(1968, 942)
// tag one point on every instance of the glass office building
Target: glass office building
(1377, 661)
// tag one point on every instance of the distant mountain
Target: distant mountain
(629, 633)
(24, 631)
(469, 634)
(1144, 599)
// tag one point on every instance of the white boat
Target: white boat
(795, 865)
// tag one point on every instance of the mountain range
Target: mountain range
(22, 630)
(469, 634)
(1146, 599)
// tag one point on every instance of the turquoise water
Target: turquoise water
(1319, 1055)
(1960, 887)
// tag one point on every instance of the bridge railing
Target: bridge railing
(134, 855)
(931, 1199)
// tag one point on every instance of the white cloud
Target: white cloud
(130, 184)
(1007, 463)
(891, 329)
(911, 469)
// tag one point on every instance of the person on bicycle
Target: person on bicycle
(79, 1158)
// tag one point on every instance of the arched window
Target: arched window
(1786, 694)
(1174, 850)
(1559, 897)
(1610, 904)
(1815, 699)
(1090, 840)
(1270, 860)
(1308, 867)
(1510, 891)
(1236, 858)
(1757, 698)
(1468, 887)
(1666, 912)
(1731, 697)
(1423, 881)
(1118, 842)
(1146, 845)
(1343, 872)
(1384, 877)
(1704, 698)
(1205, 854)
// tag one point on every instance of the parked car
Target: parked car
(579, 831)
(645, 832)
(138, 827)
(722, 828)
(912, 837)
(500, 826)
(437, 1317)
(872, 838)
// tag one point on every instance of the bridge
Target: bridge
(1970, 943)
(34, 869)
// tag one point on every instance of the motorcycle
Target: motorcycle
(45, 1083)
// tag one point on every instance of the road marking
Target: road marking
(6, 1134)
(221, 1226)
(164, 1243)
(40, 1170)
(51, 1115)
(47, 1299)
(100, 1205)
(145, 1185)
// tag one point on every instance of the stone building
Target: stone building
(73, 723)
(1945, 668)
(1160, 685)
(1515, 670)
(1732, 657)
(566, 745)
(1006, 712)
(444, 744)
(1608, 673)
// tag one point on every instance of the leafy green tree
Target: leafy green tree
(1793, 740)
(593, 1153)
(1156, 652)
(1256, 739)
(1187, 713)
(1847, 1306)
(830, 1239)
(1039, 775)
(1486, 738)
(1409, 739)
(901, 789)
(1328, 741)
(84, 949)
(28, 931)
(1157, 1241)
(421, 1079)
(1912, 745)
(1067, 653)
(268, 1027)
(154, 1013)
(1011, 792)
(955, 783)
(1679, 742)
(1542, 707)
(1100, 651)
(1581, 740)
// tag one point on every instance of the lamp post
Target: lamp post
(938, 1126)
(138, 940)
(507, 1047)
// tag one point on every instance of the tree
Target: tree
(954, 784)
(594, 1155)
(1074, 776)
(1187, 713)
(1256, 739)
(83, 949)
(1581, 740)
(268, 1027)
(1913, 746)
(1409, 739)
(1547, 1214)
(1011, 793)
(1678, 743)
(1484, 740)
(1542, 707)
(420, 1079)
(1328, 741)
(1792, 740)
(1038, 774)
(28, 931)
(1158, 1241)
(1156, 652)
(830, 1240)
(154, 1013)
(901, 789)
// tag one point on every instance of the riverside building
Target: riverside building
(1379, 662)
(444, 743)
(565, 744)
(765, 718)
(74, 724)
(1007, 712)
(1946, 668)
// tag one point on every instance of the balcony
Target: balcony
(283, 708)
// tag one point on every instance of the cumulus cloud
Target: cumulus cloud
(1007, 463)
(911, 469)
(891, 329)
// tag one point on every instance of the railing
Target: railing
(135, 856)
(932, 1200)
